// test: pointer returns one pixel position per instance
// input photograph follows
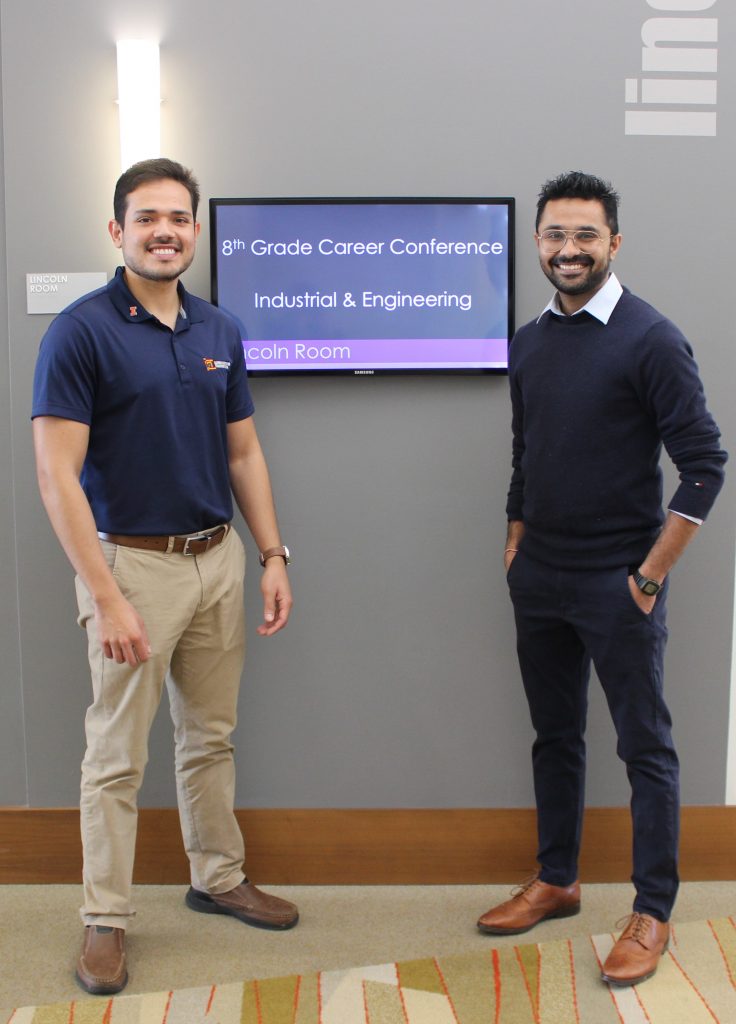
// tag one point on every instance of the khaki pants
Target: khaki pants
(192, 607)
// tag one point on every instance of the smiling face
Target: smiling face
(577, 275)
(159, 234)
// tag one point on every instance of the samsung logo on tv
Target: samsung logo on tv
(359, 372)
(681, 46)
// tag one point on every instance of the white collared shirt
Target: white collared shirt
(600, 305)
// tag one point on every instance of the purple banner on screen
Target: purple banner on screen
(379, 353)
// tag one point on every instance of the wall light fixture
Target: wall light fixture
(139, 100)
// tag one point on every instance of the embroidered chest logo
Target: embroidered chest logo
(134, 311)
(216, 364)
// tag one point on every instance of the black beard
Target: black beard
(164, 273)
(589, 283)
(160, 275)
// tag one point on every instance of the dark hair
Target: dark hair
(578, 185)
(152, 170)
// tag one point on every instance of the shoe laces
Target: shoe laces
(523, 887)
(635, 927)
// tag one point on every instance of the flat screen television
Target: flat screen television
(366, 286)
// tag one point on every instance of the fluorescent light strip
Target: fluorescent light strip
(139, 99)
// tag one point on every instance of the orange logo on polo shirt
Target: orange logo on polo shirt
(134, 311)
(216, 364)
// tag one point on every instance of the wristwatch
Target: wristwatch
(647, 586)
(283, 551)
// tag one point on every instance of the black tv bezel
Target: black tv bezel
(470, 371)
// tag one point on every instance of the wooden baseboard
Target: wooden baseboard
(366, 847)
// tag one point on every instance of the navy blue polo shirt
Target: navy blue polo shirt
(157, 403)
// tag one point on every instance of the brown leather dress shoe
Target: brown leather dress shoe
(101, 968)
(246, 903)
(635, 956)
(532, 902)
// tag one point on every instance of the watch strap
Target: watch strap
(282, 551)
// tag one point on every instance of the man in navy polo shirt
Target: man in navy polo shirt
(144, 431)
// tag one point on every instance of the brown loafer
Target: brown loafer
(101, 968)
(532, 902)
(246, 903)
(636, 955)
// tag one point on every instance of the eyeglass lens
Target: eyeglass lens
(553, 240)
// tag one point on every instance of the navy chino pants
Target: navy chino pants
(566, 620)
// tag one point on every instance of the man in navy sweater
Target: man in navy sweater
(599, 383)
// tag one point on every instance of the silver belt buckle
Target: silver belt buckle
(202, 536)
(190, 540)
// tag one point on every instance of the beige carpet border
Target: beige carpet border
(554, 982)
(366, 847)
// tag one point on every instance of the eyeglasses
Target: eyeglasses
(555, 239)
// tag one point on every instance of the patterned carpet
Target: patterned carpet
(544, 983)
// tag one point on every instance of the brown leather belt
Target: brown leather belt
(196, 544)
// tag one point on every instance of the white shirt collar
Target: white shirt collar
(600, 305)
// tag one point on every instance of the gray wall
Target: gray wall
(395, 684)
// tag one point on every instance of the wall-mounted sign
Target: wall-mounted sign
(50, 293)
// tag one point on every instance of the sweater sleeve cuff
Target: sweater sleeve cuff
(694, 500)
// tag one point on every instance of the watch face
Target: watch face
(647, 586)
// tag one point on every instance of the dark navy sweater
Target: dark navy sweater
(592, 406)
